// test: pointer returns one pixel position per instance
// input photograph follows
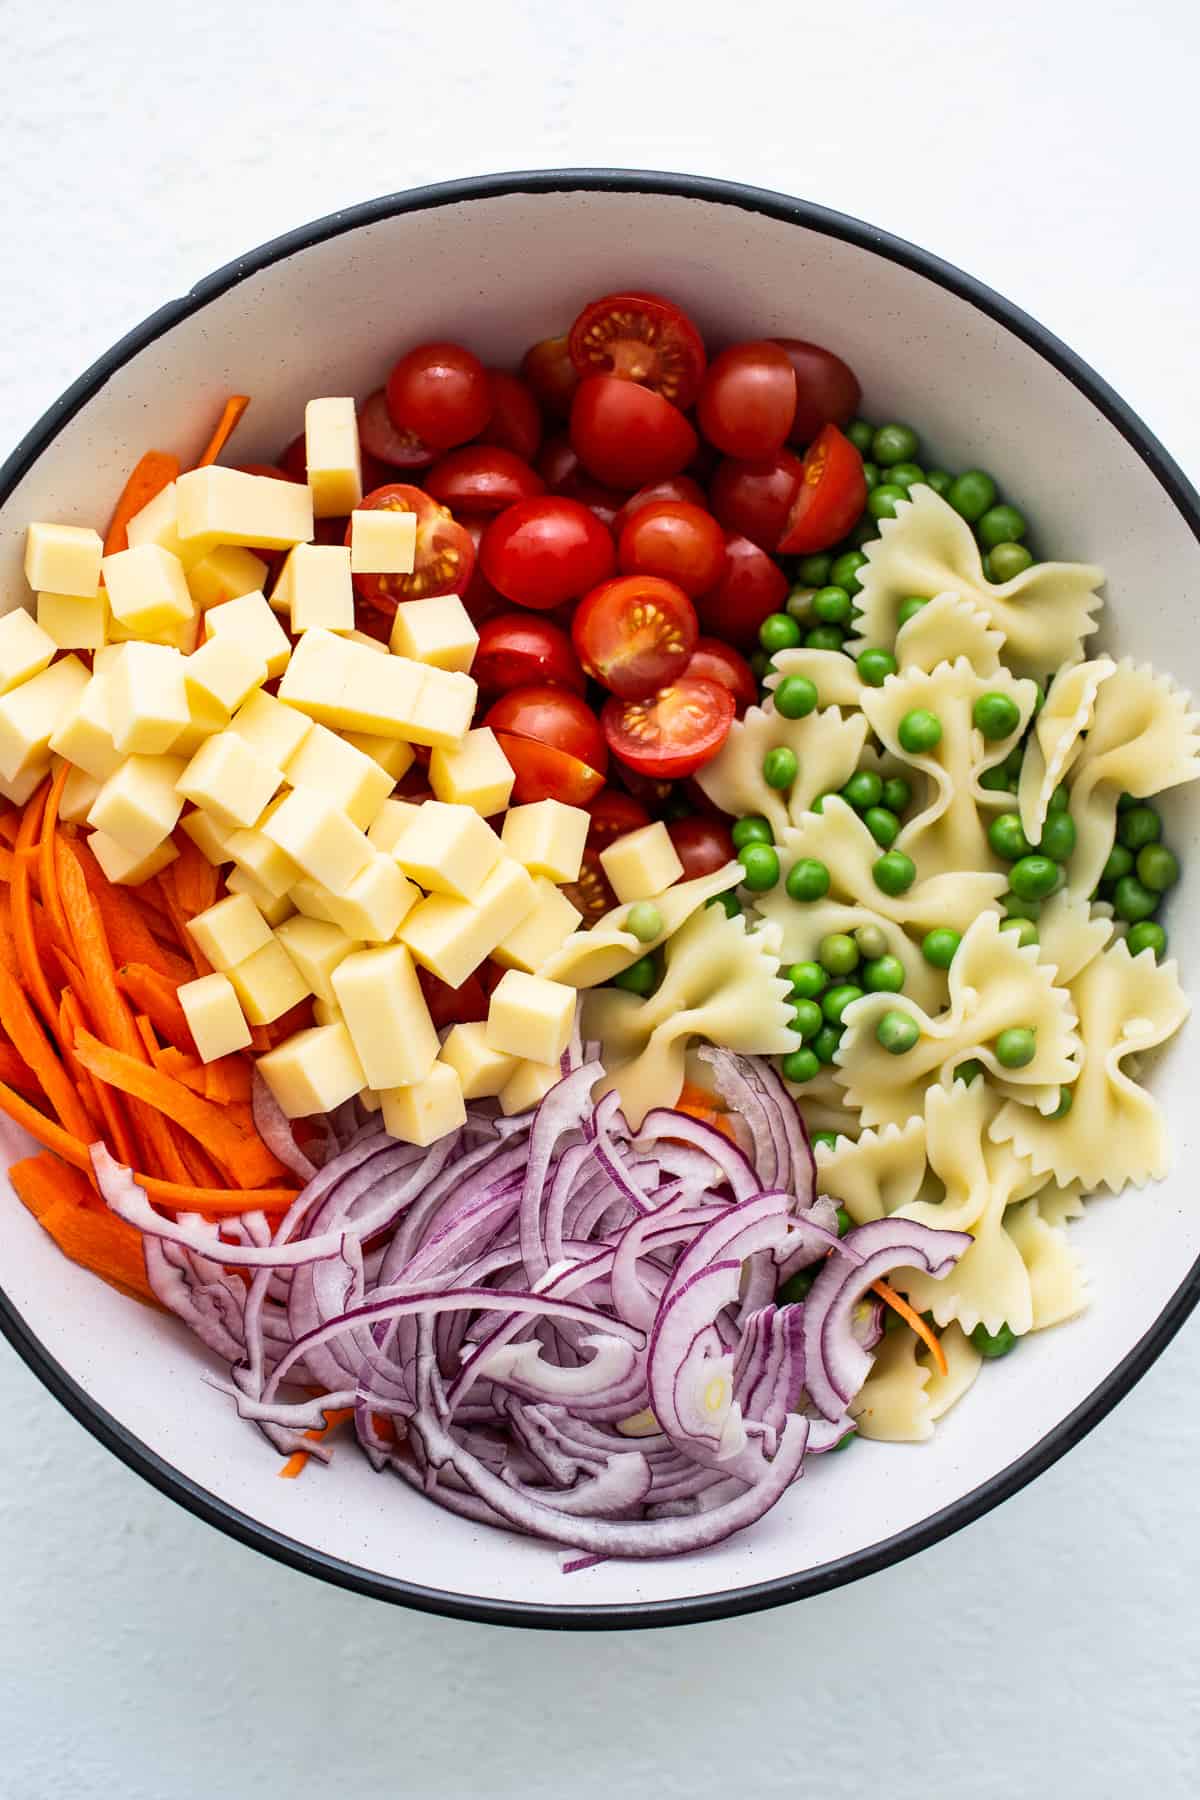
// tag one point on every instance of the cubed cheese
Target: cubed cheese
(252, 850)
(327, 1012)
(547, 837)
(124, 868)
(315, 589)
(641, 863)
(448, 850)
(214, 1017)
(183, 636)
(333, 457)
(146, 698)
(275, 908)
(383, 542)
(370, 1099)
(451, 938)
(318, 835)
(544, 929)
(385, 1012)
(313, 900)
(481, 1070)
(74, 621)
(18, 790)
(313, 1072)
(210, 838)
(444, 708)
(63, 559)
(229, 931)
(78, 796)
(316, 948)
(158, 523)
(275, 731)
(25, 649)
(344, 684)
(228, 780)
(329, 765)
(392, 754)
(147, 589)
(139, 804)
(226, 669)
(226, 573)
(436, 631)
(251, 620)
(32, 713)
(528, 1086)
(375, 902)
(223, 506)
(268, 984)
(427, 1110)
(365, 639)
(391, 822)
(206, 715)
(530, 1017)
(85, 736)
(474, 772)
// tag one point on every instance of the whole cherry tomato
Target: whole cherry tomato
(702, 845)
(676, 487)
(626, 435)
(516, 421)
(548, 369)
(713, 660)
(439, 391)
(754, 498)
(482, 478)
(827, 390)
(385, 441)
(682, 543)
(520, 649)
(748, 400)
(445, 555)
(641, 338)
(613, 815)
(672, 733)
(751, 586)
(831, 495)
(634, 634)
(544, 551)
(563, 473)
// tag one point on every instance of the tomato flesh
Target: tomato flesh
(640, 338)
(544, 773)
(673, 732)
(592, 894)
(516, 421)
(482, 478)
(445, 553)
(676, 487)
(439, 391)
(634, 634)
(385, 441)
(830, 498)
(754, 498)
(713, 660)
(680, 542)
(555, 717)
(752, 585)
(519, 649)
(702, 845)
(827, 390)
(748, 400)
(628, 436)
(542, 552)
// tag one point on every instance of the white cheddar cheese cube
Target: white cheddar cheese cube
(375, 902)
(316, 948)
(147, 589)
(182, 636)
(315, 588)
(445, 706)
(474, 772)
(436, 631)
(226, 573)
(528, 1086)
(158, 523)
(530, 1017)
(74, 621)
(275, 908)
(392, 754)
(544, 929)
(275, 731)
(226, 669)
(223, 506)
(139, 805)
(121, 866)
(25, 649)
(252, 850)
(385, 1013)
(329, 765)
(63, 559)
(214, 1017)
(320, 838)
(641, 863)
(250, 619)
(343, 683)
(370, 1099)
(146, 698)
(547, 837)
(451, 938)
(18, 790)
(313, 1072)
(313, 900)
(228, 780)
(85, 736)
(383, 542)
(206, 715)
(210, 838)
(391, 822)
(448, 850)
(427, 1110)
(32, 713)
(333, 457)
(229, 931)
(481, 1070)
(78, 797)
(365, 640)
(268, 984)
(327, 1012)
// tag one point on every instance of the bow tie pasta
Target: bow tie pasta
(904, 1395)
(1057, 738)
(826, 747)
(945, 630)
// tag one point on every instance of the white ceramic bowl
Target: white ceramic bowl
(499, 262)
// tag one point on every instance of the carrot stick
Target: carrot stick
(227, 1079)
(145, 1031)
(17, 1073)
(10, 819)
(124, 923)
(298, 1461)
(193, 879)
(151, 474)
(8, 949)
(156, 995)
(183, 1068)
(233, 409)
(6, 865)
(44, 1180)
(102, 1102)
(24, 1032)
(900, 1305)
(32, 974)
(47, 875)
(101, 1242)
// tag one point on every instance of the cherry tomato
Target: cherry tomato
(713, 660)
(516, 421)
(544, 551)
(754, 498)
(702, 845)
(272, 473)
(827, 390)
(441, 392)
(557, 463)
(482, 478)
(453, 1006)
(634, 634)
(445, 554)
(644, 788)
(385, 441)
(748, 400)
(682, 543)
(591, 894)
(479, 596)
(563, 473)
(614, 814)
(676, 487)
(544, 773)
(626, 435)
(555, 717)
(674, 732)
(294, 460)
(642, 338)
(751, 586)
(830, 498)
(517, 649)
(548, 369)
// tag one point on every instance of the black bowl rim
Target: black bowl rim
(1068, 1432)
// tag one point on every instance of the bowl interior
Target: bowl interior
(499, 272)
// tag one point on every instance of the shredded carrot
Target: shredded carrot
(17, 1073)
(266, 1037)
(227, 1079)
(156, 995)
(102, 1102)
(33, 975)
(698, 1104)
(183, 1068)
(8, 949)
(6, 865)
(192, 877)
(900, 1305)
(101, 1242)
(298, 1461)
(47, 874)
(233, 409)
(30, 1042)
(124, 922)
(9, 822)
(44, 1180)
(183, 937)
(151, 474)
(145, 1031)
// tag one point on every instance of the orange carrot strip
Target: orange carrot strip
(8, 949)
(900, 1305)
(10, 820)
(24, 936)
(102, 1102)
(227, 1079)
(47, 875)
(151, 474)
(145, 1031)
(124, 924)
(17, 1073)
(298, 1461)
(101, 1242)
(194, 881)
(233, 409)
(157, 996)
(183, 1068)
(6, 865)
(24, 1032)
(44, 1180)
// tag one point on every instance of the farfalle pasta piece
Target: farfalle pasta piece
(1061, 1205)
(1070, 934)
(990, 1284)
(1057, 1285)
(927, 549)
(948, 833)
(1057, 738)
(963, 1363)
(955, 1131)
(879, 1174)
(892, 1405)
(823, 1106)
(721, 982)
(803, 923)
(826, 747)
(948, 628)
(590, 957)
(834, 674)
(1114, 1134)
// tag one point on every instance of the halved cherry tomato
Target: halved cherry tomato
(482, 478)
(563, 473)
(558, 463)
(748, 400)
(453, 1006)
(385, 440)
(555, 717)
(647, 789)
(681, 543)
(676, 487)
(548, 369)
(701, 845)
(272, 472)
(294, 465)
(517, 649)
(614, 814)
(751, 586)
(830, 498)
(713, 660)
(642, 338)
(445, 554)
(544, 773)
(544, 551)
(754, 498)
(479, 596)
(591, 894)
(440, 391)
(634, 634)
(827, 390)
(516, 421)
(626, 435)
(674, 732)
(294, 459)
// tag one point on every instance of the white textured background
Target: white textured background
(1049, 148)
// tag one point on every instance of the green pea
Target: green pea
(753, 829)
(860, 435)
(760, 664)
(778, 632)
(832, 606)
(835, 1000)
(919, 731)
(1058, 836)
(883, 825)
(874, 667)
(1034, 877)
(795, 1288)
(818, 805)
(1060, 799)
(996, 716)
(1125, 801)
(829, 1138)
(780, 767)
(640, 977)
(844, 1222)
(997, 780)
(1066, 1101)
(1147, 934)
(881, 501)
(729, 903)
(843, 1443)
(940, 946)
(906, 474)
(807, 879)
(968, 1071)
(1016, 1047)
(908, 609)
(894, 872)
(798, 605)
(864, 788)
(807, 1017)
(883, 975)
(1138, 827)
(801, 1065)
(1120, 862)
(894, 444)
(813, 571)
(971, 494)
(826, 1042)
(940, 480)
(1013, 761)
(760, 867)
(872, 941)
(897, 1032)
(1007, 838)
(838, 953)
(1006, 562)
(807, 979)
(1132, 901)
(896, 793)
(644, 921)
(1018, 908)
(824, 637)
(1025, 929)
(795, 697)
(1001, 525)
(992, 1344)
(844, 573)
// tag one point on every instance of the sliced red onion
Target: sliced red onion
(271, 1123)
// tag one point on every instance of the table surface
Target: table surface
(1055, 1643)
